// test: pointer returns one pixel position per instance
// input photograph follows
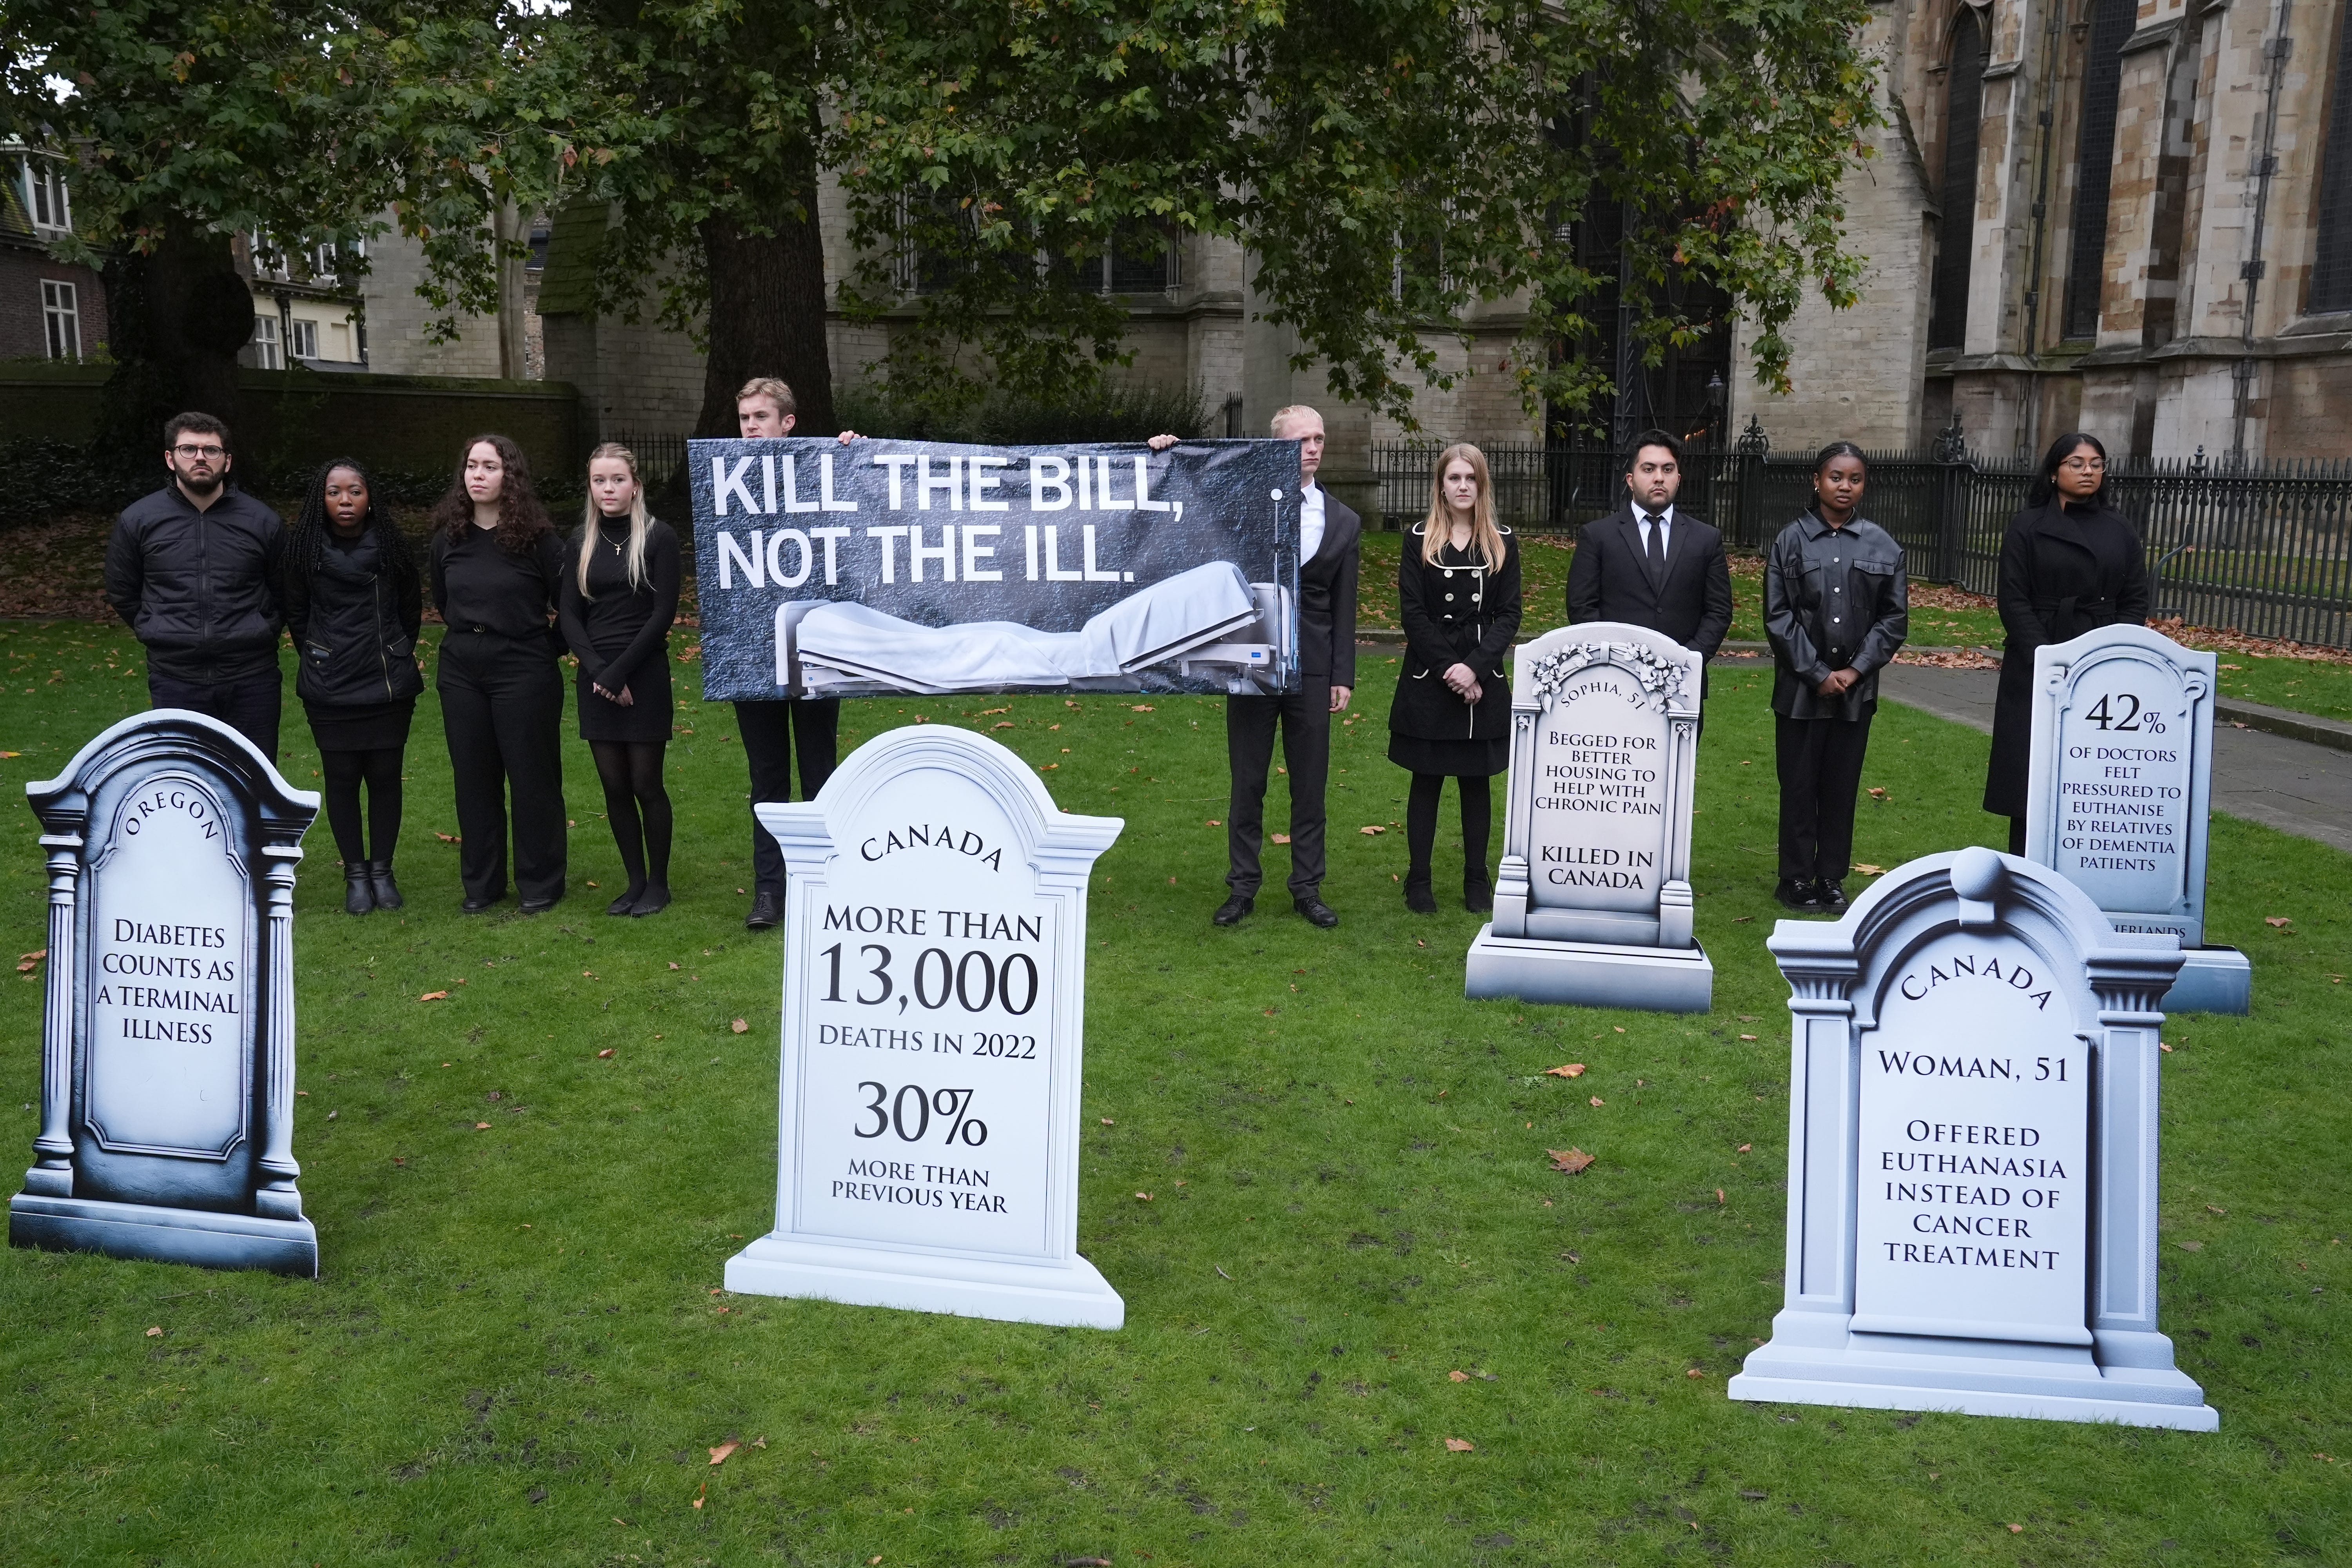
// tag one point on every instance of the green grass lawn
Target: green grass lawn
(2305, 685)
(517, 1350)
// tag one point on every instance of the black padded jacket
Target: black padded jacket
(201, 589)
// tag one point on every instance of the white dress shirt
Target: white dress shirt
(1665, 528)
(1310, 522)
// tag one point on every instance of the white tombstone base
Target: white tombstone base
(164, 1235)
(2036, 1381)
(1073, 1296)
(1589, 974)
(2212, 979)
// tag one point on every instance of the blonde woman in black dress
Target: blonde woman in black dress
(1458, 595)
(619, 598)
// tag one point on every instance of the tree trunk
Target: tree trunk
(177, 318)
(767, 311)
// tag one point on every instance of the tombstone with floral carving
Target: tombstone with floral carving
(1593, 902)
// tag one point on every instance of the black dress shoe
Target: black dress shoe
(1231, 911)
(359, 892)
(476, 906)
(653, 900)
(625, 902)
(1829, 895)
(1317, 912)
(767, 912)
(1798, 895)
(1479, 898)
(388, 892)
(539, 906)
(1419, 898)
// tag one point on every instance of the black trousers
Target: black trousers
(1819, 763)
(771, 731)
(502, 709)
(251, 708)
(1304, 717)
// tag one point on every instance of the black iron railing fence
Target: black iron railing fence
(659, 458)
(2264, 548)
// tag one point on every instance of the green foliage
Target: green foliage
(1396, 168)
(1108, 410)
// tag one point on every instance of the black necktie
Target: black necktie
(1654, 543)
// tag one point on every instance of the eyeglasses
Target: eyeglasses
(187, 451)
(2085, 465)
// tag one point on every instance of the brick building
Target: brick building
(49, 310)
(2129, 216)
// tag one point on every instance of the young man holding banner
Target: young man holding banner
(771, 730)
(1328, 532)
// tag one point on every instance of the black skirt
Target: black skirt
(647, 718)
(1450, 758)
(361, 727)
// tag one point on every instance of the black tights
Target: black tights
(1421, 827)
(639, 806)
(344, 773)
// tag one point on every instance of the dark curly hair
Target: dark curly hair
(521, 518)
(312, 527)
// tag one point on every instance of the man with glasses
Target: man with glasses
(194, 568)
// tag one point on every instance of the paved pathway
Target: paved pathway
(2292, 785)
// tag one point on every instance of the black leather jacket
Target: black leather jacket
(1834, 598)
(354, 615)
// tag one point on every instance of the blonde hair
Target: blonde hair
(769, 387)
(1283, 416)
(640, 521)
(1486, 538)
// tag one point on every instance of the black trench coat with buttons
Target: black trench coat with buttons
(2064, 569)
(1456, 611)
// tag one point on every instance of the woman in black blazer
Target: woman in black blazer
(498, 570)
(355, 601)
(2071, 563)
(1458, 595)
(620, 596)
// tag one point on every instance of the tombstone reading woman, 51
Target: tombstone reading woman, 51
(498, 570)
(1458, 595)
(620, 596)
(1836, 607)
(355, 601)
(2070, 564)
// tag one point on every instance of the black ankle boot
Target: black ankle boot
(1478, 897)
(359, 892)
(388, 892)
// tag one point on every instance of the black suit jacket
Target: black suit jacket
(1608, 580)
(1327, 597)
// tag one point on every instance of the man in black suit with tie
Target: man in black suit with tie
(1328, 532)
(1651, 564)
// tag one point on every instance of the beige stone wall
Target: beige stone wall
(397, 320)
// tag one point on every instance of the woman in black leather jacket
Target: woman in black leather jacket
(2071, 563)
(1837, 605)
(354, 600)
(1458, 595)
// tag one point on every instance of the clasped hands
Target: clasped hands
(1837, 680)
(621, 697)
(1463, 681)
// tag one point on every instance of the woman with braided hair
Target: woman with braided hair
(354, 600)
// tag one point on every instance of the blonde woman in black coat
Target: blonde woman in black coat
(2071, 563)
(1458, 595)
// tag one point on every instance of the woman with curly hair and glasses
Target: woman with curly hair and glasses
(353, 601)
(498, 576)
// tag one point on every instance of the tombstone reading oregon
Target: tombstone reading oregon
(1972, 1155)
(2117, 794)
(934, 1007)
(167, 1032)
(1592, 904)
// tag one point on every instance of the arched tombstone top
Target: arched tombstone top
(173, 736)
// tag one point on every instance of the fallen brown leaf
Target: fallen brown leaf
(1106, 1122)
(481, 1127)
(699, 1491)
(2277, 922)
(1566, 1069)
(1282, 838)
(1142, 708)
(1598, 1100)
(448, 838)
(435, 997)
(1695, 1372)
(1458, 1377)
(2189, 1246)
(719, 1455)
(155, 1334)
(1460, 1446)
(1870, 870)
(1572, 1160)
(1745, 1147)
(1746, 1036)
(602, 1054)
(741, 1026)
(1143, 1197)
(1876, 792)
(1371, 832)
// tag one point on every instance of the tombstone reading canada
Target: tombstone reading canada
(1593, 902)
(1972, 1155)
(934, 1009)
(2118, 795)
(167, 1032)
